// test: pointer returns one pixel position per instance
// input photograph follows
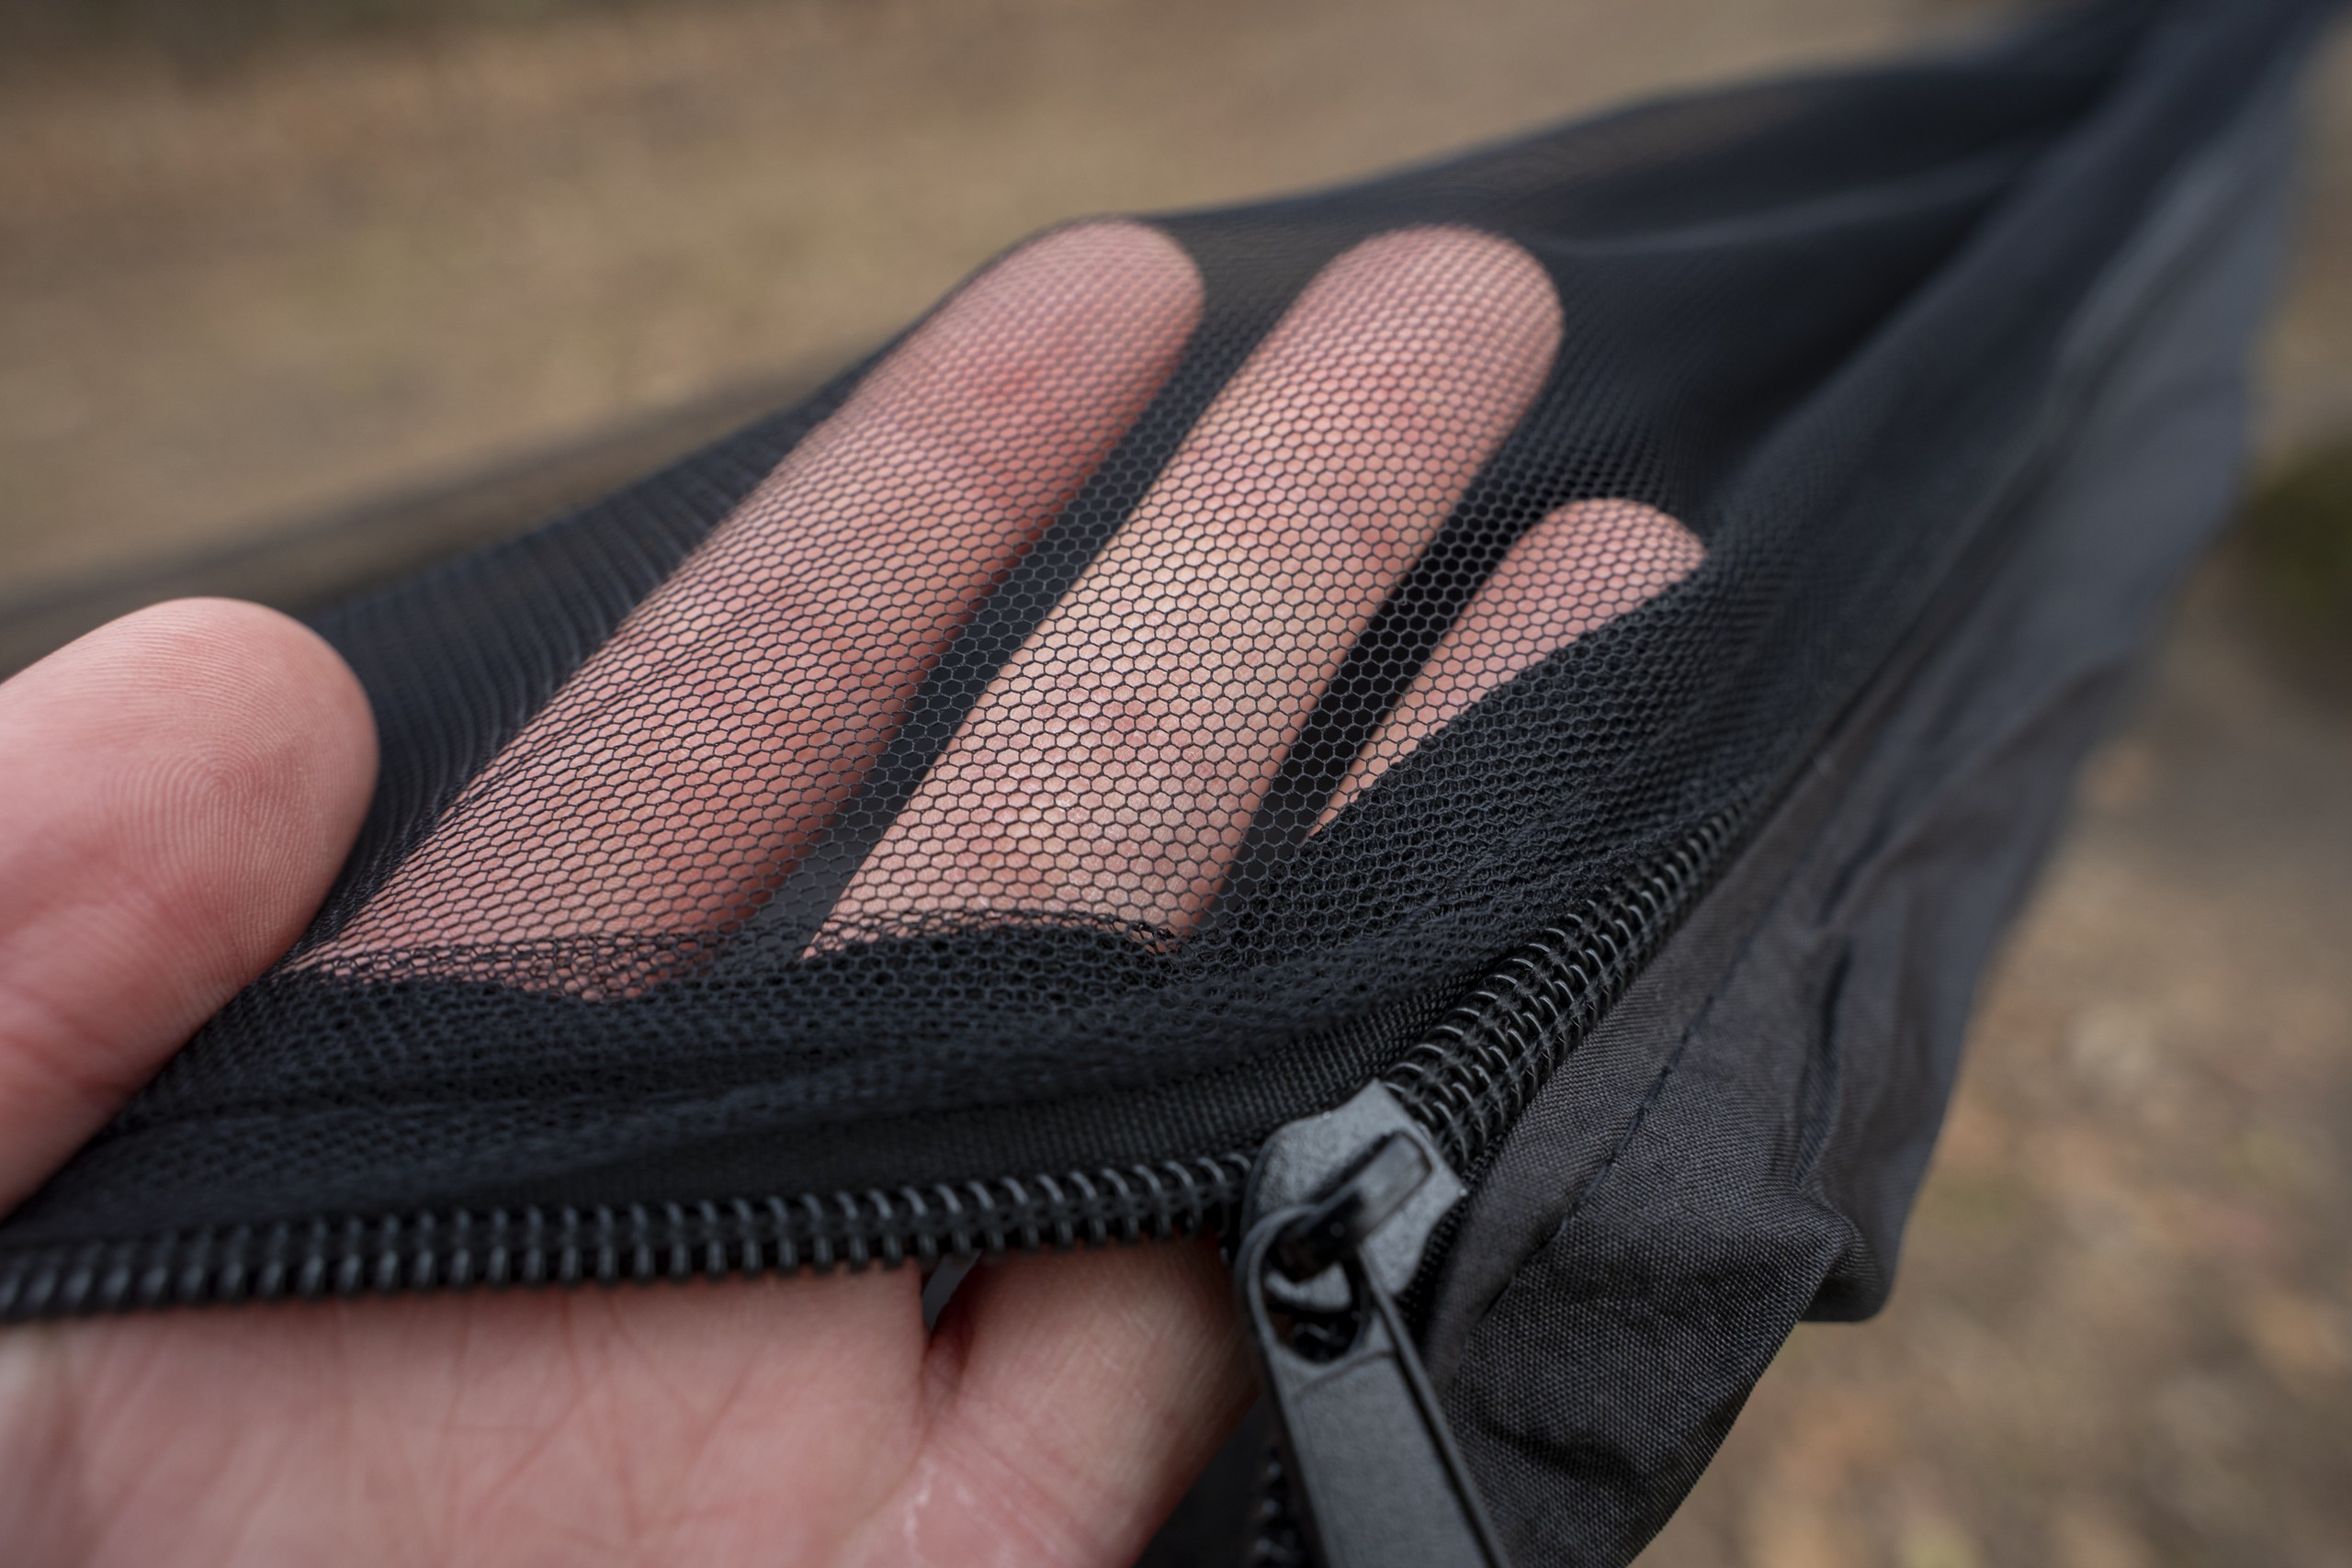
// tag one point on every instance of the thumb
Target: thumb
(176, 791)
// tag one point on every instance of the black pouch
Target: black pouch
(1470, 732)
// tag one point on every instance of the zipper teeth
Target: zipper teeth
(1467, 1080)
(1475, 1072)
(1478, 1069)
(1274, 1538)
(533, 1245)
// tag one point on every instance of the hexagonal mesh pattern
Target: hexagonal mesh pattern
(1176, 666)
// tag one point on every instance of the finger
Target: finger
(675, 779)
(1579, 569)
(1112, 766)
(181, 787)
(1074, 1399)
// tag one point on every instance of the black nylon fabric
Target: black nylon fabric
(1123, 715)
(1740, 1143)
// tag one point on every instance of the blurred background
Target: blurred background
(297, 293)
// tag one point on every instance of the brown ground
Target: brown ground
(249, 289)
(2123, 1332)
(251, 283)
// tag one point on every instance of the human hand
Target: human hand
(180, 788)
(189, 780)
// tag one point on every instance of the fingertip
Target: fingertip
(213, 716)
(1616, 554)
(265, 696)
(1508, 295)
(1573, 571)
(1136, 266)
(1055, 346)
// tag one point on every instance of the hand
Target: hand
(182, 785)
(180, 788)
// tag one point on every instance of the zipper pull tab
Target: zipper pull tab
(1373, 1475)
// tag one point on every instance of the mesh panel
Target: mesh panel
(1180, 665)
(679, 775)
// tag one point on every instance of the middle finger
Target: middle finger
(1112, 767)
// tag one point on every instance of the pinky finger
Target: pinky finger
(1580, 568)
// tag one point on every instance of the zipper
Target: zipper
(609, 1245)
(1463, 1084)
(1373, 1477)
(1467, 1081)
(1329, 1222)
(1340, 1220)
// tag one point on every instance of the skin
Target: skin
(1112, 767)
(181, 787)
(1579, 569)
(684, 770)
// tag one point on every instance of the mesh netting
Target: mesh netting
(1196, 642)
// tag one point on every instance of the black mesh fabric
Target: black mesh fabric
(1119, 716)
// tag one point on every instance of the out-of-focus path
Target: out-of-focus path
(245, 288)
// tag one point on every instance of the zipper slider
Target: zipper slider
(1340, 1208)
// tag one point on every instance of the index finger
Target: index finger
(680, 773)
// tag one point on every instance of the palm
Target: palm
(779, 1421)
